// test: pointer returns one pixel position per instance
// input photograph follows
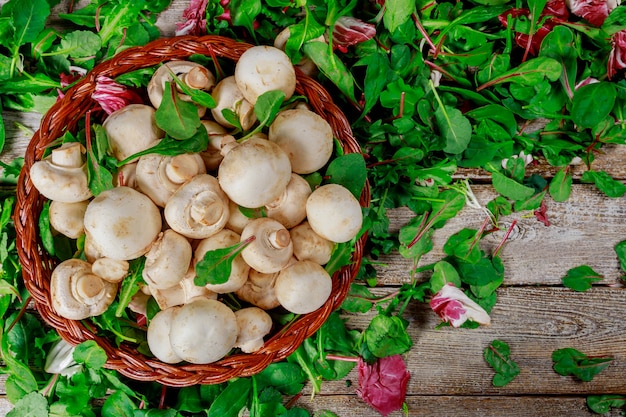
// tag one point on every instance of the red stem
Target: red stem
(506, 236)
(21, 313)
(342, 358)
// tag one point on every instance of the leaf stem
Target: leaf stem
(496, 253)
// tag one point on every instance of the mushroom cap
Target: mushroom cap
(203, 331)
(159, 336)
(271, 249)
(181, 68)
(62, 176)
(159, 176)
(121, 223)
(168, 260)
(305, 137)
(198, 209)
(334, 213)
(67, 218)
(77, 293)
(239, 268)
(254, 324)
(308, 245)
(290, 208)
(110, 270)
(228, 96)
(254, 173)
(212, 156)
(132, 129)
(264, 68)
(237, 220)
(259, 290)
(303, 287)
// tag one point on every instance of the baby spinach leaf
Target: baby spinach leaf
(605, 183)
(232, 400)
(200, 97)
(498, 356)
(569, 361)
(397, 13)
(268, 105)
(358, 299)
(33, 404)
(510, 188)
(89, 353)
(561, 185)
(45, 233)
(454, 128)
(464, 245)
(592, 103)
(28, 18)
(444, 273)
(21, 380)
(286, 377)
(340, 257)
(217, 264)
(118, 404)
(581, 278)
(178, 118)
(387, 336)
(348, 170)
(620, 250)
(172, 147)
(529, 73)
(602, 404)
(331, 66)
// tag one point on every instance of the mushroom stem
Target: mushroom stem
(88, 288)
(69, 155)
(198, 78)
(181, 168)
(206, 208)
(279, 238)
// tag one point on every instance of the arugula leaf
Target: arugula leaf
(33, 404)
(581, 278)
(332, 67)
(498, 356)
(605, 183)
(603, 403)
(178, 118)
(569, 361)
(529, 73)
(397, 13)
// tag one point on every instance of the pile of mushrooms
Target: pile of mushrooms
(172, 210)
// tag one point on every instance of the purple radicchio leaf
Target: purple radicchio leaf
(383, 384)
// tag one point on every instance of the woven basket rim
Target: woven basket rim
(37, 264)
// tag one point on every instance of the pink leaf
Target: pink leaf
(617, 57)
(593, 11)
(195, 24)
(349, 31)
(112, 96)
(383, 384)
(453, 306)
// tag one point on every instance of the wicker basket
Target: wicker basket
(38, 265)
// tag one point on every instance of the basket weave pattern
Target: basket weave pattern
(38, 265)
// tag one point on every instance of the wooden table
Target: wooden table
(535, 314)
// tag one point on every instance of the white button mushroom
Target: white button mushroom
(259, 290)
(228, 97)
(191, 73)
(159, 336)
(159, 176)
(290, 208)
(308, 245)
(121, 223)
(237, 220)
(334, 213)
(303, 287)
(218, 136)
(132, 129)
(110, 270)
(198, 209)
(305, 64)
(264, 68)
(239, 268)
(62, 176)
(167, 261)
(254, 173)
(77, 293)
(271, 249)
(254, 324)
(68, 218)
(305, 136)
(203, 331)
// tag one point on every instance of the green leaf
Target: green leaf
(397, 13)
(130, 285)
(29, 18)
(561, 185)
(340, 257)
(268, 105)
(232, 400)
(331, 66)
(80, 43)
(605, 183)
(592, 103)
(172, 147)
(286, 377)
(569, 361)
(603, 403)
(178, 118)
(581, 278)
(444, 273)
(21, 380)
(455, 129)
(510, 188)
(498, 356)
(620, 250)
(348, 170)
(118, 404)
(200, 97)
(387, 336)
(31, 405)
(217, 264)
(464, 245)
(529, 73)
(45, 232)
(244, 12)
(89, 353)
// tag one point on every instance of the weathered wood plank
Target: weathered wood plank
(446, 406)
(534, 322)
(583, 230)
